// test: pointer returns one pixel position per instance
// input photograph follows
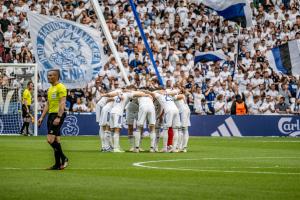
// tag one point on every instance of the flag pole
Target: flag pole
(109, 39)
(237, 46)
(146, 42)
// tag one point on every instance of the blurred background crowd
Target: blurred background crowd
(175, 31)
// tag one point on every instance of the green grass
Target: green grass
(214, 168)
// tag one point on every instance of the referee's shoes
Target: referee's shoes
(65, 163)
(54, 167)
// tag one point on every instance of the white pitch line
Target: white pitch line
(14, 168)
(142, 164)
(256, 167)
(266, 141)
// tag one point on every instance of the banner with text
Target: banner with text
(73, 48)
(208, 125)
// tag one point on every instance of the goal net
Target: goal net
(13, 82)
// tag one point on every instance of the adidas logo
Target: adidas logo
(227, 129)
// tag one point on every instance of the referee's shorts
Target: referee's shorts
(55, 129)
(25, 113)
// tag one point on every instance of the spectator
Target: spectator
(79, 106)
(71, 100)
(254, 106)
(210, 97)
(219, 106)
(268, 106)
(272, 91)
(198, 96)
(282, 107)
(284, 91)
(295, 107)
(41, 103)
(136, 62)
(203, 108)
(239, 107)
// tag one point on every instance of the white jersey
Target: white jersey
(267, 108)
(254, 108)
(166, 101)
(171, 116)
(120, 102)
(145, 102)
(101, 103)
(219, 108)
(182, 105)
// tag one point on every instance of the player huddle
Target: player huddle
(159, 109)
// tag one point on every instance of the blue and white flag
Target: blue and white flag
(234, 10)
(285, 58)
(73, 48)
(209, 56)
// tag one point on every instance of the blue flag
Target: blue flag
(234, 10)
(285, 58)
(209, 56)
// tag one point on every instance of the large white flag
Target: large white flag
(73, 48)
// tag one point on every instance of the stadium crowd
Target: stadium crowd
(175, 31)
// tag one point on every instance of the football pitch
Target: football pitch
(213, 168)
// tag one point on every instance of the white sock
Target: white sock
(137, 138)
(165, 139)
(152, 139)
(157, 133)
(116, 141)
(175, 138)
(131, 141)
(186, 136)
(107, 138)
(102, 137)
(110, 138)
(180, 138)
(141, 139)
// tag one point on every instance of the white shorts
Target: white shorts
(104, 117)
(147, 113)
(98, 112)
(130, 117)
(185, 118)
(171, 119)
(115, 120)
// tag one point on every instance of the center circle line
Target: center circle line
(217, 170)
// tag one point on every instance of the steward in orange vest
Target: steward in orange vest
(239, 106)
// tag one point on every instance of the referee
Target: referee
(55, 106)
(26, 103)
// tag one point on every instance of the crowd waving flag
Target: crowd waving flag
(209, 56)
(234, 10)
(285, 58)
(73, 48)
